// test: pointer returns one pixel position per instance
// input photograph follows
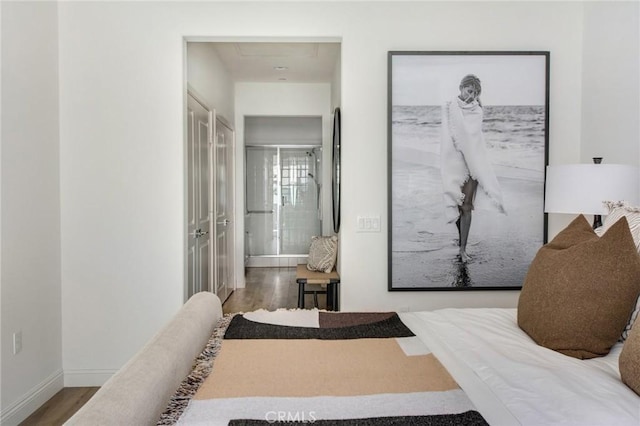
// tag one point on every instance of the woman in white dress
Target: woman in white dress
(465, 163)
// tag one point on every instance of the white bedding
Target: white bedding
(512, 380)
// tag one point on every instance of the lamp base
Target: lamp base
(597, 221)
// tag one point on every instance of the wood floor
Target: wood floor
(270, 289)
(266, 288)
(61, 407)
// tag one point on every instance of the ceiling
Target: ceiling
(274, 62)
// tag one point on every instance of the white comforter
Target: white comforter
(511, 380)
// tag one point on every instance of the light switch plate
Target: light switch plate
(368, 224)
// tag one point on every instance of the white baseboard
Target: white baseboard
(17, 412)
(85, 378)
(275, 261)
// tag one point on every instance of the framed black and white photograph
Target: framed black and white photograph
(468, 142)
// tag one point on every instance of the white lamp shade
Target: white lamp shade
(581, 188)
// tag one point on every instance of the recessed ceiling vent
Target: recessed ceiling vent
(296, 50)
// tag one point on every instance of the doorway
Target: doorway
(274, 77)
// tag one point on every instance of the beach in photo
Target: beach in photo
(424, 247)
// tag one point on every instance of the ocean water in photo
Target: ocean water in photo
(424, 247)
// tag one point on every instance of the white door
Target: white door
(198, 200)
(223, 209)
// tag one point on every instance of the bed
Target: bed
(569, 355)
(504, 377)
(507, 379)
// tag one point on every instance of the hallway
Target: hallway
(270, 289)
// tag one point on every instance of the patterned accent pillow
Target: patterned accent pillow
(322, 253)
(616, 210)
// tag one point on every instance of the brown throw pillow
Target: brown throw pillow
(581, 289)
(629, 360)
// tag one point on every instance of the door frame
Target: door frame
(238, 120)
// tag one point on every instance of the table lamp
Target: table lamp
(581, 188)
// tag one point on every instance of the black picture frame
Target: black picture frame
(435, 138)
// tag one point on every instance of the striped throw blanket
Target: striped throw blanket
(318, 367)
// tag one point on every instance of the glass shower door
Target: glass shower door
(262, 195)
(299, 208)
(282, 198)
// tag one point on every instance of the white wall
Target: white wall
(121, 133)
(30, 214)
(208, 76)
(336, 83)
(121, 107)
(611, 93)
(610, 90)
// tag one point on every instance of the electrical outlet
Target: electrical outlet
(17, 342)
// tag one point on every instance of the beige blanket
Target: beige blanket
(303, 368)
(343, 369)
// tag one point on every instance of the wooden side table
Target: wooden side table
(331, 280)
